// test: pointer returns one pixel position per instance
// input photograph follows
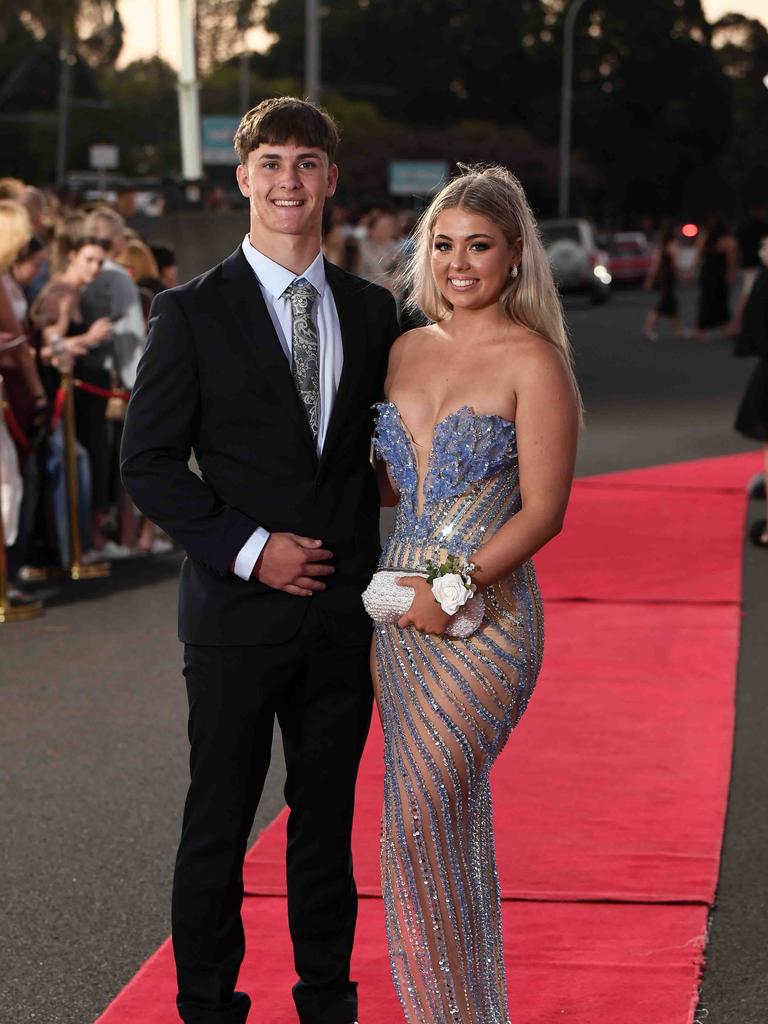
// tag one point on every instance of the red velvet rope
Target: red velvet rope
(15, 430)
(92, 389)
(58, 408)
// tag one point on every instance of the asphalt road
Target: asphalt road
(92, 733)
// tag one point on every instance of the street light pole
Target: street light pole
(312, 50)
(566, 100)
(66, 60)
(189, 106)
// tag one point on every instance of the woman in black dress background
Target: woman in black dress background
(663, 275)
(752, 417)
(717, 262)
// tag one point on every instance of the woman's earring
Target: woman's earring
(513, 272)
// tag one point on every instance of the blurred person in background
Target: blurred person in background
(126, 202)
(378, 249)
(38, 208)
(22, 422)
(27, 266)
(138, 259)
(716, 263)
(24, 389)
(167, 268)
(136, 533)
(339, 243)
(64, 341)
(114, 295)
(410, 317)
(752, 417)
(749, 235)
(663, 276)
(15, 190)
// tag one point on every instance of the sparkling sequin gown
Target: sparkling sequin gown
(447, 709)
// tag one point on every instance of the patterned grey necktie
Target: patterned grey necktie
(306, 357)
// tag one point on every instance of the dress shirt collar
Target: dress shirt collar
(276, 278)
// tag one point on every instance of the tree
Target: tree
(425, 63)
(94, 24)
(741, 47)
(220, 27)
(651, 105)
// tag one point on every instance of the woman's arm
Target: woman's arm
(653, 270)
(21, 356)
(731, 260)
(389, 496)
(547, 422)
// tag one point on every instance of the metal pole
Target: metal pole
(566, 99)
(245, 78)
(78, 570)
(312, 50)
(65, 82)
(189, 106)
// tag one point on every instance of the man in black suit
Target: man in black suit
(266, 367)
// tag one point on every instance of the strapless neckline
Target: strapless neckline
(446, 468)
(448, 416)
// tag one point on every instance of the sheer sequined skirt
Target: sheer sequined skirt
(447, 708)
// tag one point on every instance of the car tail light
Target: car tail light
(593, 259)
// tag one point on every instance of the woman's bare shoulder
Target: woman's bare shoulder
(533, 353)
(406, 343)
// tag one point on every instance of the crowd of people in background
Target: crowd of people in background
(723, 259)
(76, 286)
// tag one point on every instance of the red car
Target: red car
(629, 257)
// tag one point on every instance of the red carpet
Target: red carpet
(612, 789)
(571, 827)
(722, 473)
(622, 544)
(576, 963)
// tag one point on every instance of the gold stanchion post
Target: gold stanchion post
(78, 570)
(10, 612)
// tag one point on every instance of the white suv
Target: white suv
(577, 263)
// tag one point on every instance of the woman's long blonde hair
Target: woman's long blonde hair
(531, 299)
(15, 231)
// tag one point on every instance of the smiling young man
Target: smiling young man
(266, 367)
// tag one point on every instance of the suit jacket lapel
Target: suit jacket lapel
(351, 311)
(243, 295)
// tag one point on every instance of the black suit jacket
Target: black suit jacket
(214, 380)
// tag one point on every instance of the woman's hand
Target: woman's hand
(425, 613)
(98, 332)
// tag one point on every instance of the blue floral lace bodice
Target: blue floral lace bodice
(470, 484)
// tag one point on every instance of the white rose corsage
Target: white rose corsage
(454, 591)
(451, 585)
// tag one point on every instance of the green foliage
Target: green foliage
(669, 111)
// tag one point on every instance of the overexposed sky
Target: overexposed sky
(151, 25)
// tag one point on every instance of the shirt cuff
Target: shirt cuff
(249, 553)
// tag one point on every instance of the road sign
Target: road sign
(103, 156)
(218, 133)
(416, 177)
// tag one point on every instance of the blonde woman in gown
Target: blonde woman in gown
(475, 443)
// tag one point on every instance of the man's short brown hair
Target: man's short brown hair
(286, 119)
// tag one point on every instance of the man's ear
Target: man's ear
(243, 181)
(333, 180)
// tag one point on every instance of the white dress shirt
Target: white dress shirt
(273, 280)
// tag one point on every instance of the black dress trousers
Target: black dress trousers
(321, 695)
